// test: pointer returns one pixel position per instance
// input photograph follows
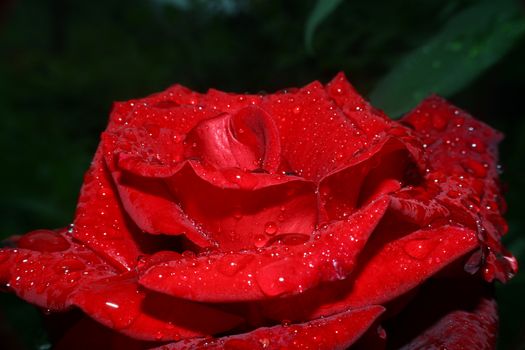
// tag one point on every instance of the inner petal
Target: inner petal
(247, 140)
(245, 218)
(378, 171)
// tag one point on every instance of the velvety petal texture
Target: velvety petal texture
(302, 219)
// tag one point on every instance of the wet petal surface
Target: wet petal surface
(334, 332)
(277, 270)
(461, 161)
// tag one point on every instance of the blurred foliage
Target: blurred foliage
(469, 42)
(321, 11)
(62, 63)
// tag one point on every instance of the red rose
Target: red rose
(300, 219)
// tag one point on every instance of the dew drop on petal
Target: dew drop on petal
(419, 248)
(233, 263)
(270, 228)
(259, 241)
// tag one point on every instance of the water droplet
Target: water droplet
(153, 130)
(259, 241)
(286, 323)
(419, 248)
(489, 273)
(270, 228)
(237, 213)
(474, 167)
(69, 265)
(265, 342)
(230, 264)
(289, 239)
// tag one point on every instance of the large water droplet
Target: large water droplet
(272, 284)
(270, 228)
(476, 168)
(259, 241)
(44, 241)
(289, 239)
(419, 248)
(284, 276)
(229, 265)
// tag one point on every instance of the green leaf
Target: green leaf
(321, 11)
(467, 45)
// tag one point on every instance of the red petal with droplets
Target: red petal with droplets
(375, 172)
(386, 271)
(461, 158)
(316, 136)
(361, 113)
(254, 177)
(87, 334)
(49, 267)
(54, 272)
(446, 314)
(99, 219)
(273, 271)
(149, 203)
(330, 333)
(119, 303)
(461, 330)
(247, 140)
(161, 184)
(236, 218)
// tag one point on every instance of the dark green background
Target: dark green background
(62, 63)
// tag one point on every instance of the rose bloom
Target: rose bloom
(302, 219)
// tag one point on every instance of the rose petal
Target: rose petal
(49, 267)
(118, 302)
(405, 263)
(87, 334)
(418, 206)
(99, 219)
(272, 271)
(247, 140)
(334, 332)
(53, 271)
(377, 171)
(177, 106)
(316, 137)
(148, 180)
(461, 158)
(446, 313)
(229, 102)
(216, 212)
(151, 206)
(354, 106)
(238, 218)
(386, 271)
(461, 330)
